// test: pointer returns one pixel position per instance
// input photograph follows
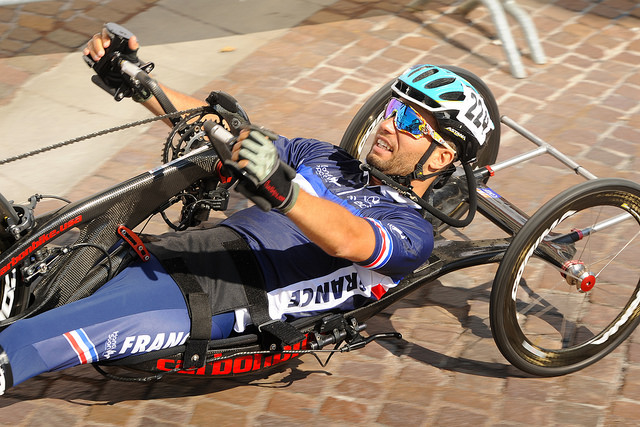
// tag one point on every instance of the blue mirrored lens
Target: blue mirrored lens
(405, 118)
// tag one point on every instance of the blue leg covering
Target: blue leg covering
(140, 310)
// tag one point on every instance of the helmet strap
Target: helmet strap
(418, 171)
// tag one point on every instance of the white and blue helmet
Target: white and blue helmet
(457, 106)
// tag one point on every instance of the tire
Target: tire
(451, 200)
(560, 301)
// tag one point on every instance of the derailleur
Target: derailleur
(336, 329)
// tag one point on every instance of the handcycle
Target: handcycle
(566, 292)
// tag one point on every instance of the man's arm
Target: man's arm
(332, 227)
(178, 99)
(336, 230)
(266, 180)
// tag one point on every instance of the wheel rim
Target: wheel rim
(551, 322)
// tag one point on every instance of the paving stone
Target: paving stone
(41, 47)
(218, 414)
(624, 413)
(37, 22)
(342, 410)
(50, 8)
(455, 415)
(401, 415)
(67, 39)
(304, 408)
(83, 25)
(24, 34)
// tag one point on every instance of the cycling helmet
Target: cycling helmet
(458, 108)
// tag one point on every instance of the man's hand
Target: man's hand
(104, 52)
(95, 47)
(263, 177)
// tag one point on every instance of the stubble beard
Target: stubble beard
(397, 165)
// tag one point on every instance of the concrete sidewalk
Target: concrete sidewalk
(306, 75)
(191, 46)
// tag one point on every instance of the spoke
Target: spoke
(586, 242)
(565, 342)
(618, 253)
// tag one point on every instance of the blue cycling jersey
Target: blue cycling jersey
(301, 279)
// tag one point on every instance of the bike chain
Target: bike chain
(100, 133)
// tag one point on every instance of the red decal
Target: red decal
(378, 291)
(272, 190)
(243, 364)
(39, 242)
(221, 367)
(233, 365)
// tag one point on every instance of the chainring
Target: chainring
(185, 136)
(188, 134)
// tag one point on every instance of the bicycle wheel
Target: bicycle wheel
(450, 199)
(567, 291)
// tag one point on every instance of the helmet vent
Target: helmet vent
(453, 96)
(440, 82)
(424, 75)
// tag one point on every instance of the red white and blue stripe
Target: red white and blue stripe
(384, 246)
(82, 345)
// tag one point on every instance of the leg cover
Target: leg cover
(139, 311)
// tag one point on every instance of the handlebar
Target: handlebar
(141, 76)
(117, 58)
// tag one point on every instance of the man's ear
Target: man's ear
(441, 158)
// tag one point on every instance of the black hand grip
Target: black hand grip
(119, 43)
(220, 139)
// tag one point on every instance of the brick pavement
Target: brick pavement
(446, 370)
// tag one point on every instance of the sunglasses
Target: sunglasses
(410, 122)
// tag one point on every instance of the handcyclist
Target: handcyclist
(332, 237)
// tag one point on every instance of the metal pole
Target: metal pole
(504, 32)
(519, 159)
(549, 148)
(529, 29)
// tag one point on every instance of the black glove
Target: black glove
(108, 74)
(266, 180)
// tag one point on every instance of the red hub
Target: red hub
(577, 275)
(588, 283)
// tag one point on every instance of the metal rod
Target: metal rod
(528, 28)
(504, 32)
(548, 148)
(607, 223)
(519, 159)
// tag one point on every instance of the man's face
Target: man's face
(396, 153)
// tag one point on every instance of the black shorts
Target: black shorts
(212, 257)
